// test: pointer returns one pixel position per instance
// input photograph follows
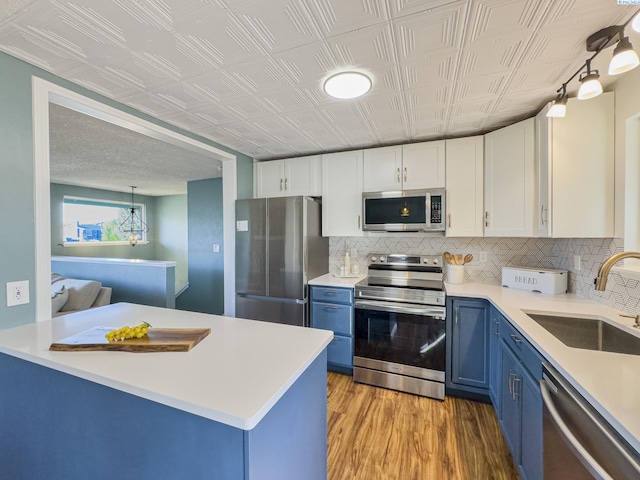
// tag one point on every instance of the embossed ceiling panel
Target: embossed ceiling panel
(249, 73)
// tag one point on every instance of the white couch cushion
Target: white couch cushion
(59, 298)
(82, 293)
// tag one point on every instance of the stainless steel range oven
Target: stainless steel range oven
(400, 325)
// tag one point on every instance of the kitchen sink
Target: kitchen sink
(588, 333)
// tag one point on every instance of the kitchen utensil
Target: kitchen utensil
(468, 258)
(448, 258)
(458, 259)
(157, 340)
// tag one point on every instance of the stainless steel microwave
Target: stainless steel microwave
(404, 211)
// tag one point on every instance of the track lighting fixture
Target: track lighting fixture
(624, 59)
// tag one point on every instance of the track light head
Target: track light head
(559, 107)
(590, 85)
(624, 57)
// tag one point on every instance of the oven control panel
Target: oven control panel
(397, 259)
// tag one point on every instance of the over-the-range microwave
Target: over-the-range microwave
(404, 211)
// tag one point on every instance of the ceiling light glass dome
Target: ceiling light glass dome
(347, 85)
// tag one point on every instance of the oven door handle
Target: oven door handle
(435, 312)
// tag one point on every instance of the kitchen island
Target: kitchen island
(248, 402)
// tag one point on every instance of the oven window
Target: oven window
(406, 339)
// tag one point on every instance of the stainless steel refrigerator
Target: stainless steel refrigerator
(279, 247)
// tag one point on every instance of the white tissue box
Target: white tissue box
(540, 280)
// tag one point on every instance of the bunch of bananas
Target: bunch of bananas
(125, 332)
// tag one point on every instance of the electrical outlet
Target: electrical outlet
(216, 248)
(483, 257)
(577, 263)
(17, 293)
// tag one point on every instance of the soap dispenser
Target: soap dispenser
(347, 263)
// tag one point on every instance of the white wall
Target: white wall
(627, 90)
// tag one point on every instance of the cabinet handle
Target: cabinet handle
(497, 332)
(330, 292)
(515, 338)
(405, 174)
(516, 389)
(398, 174)
(286, 184)
(456, 315)
(448, 220)
(329, 307)
(486, 219)
(542, 210)
(281, 182)
(358, 222)
(511, 383)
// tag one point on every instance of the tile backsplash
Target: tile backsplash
(621, 294)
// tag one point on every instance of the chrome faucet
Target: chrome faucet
(603, 273)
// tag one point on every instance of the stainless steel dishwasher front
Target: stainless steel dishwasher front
(578, 442)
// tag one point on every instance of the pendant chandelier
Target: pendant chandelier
(133, 226)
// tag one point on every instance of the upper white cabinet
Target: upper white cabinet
(575, 170)
(342, 194)
(404, 167)
(509, 181)
(465, 186)
(288, 177)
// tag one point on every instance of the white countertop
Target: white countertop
(234, 376)
(609, 381)
(332, 280)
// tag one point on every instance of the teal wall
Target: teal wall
(17, 240)
(171, 225)
(206, 267)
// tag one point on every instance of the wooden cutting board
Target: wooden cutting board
(157, 340)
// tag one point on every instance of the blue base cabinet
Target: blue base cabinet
(520, 413)
(468, 345)
(332, 309)
(494, 360)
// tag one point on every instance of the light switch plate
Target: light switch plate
(17, 293)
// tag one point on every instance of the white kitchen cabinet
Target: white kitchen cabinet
(509, 181)
(382, 169)
(288, 177)
(342, 194)
(465, 187)
(423, 165)
(405, 167)
(575, 170)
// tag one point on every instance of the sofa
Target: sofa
(70, 295)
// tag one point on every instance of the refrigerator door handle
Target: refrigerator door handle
(273, 299)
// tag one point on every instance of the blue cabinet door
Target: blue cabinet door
(531, 467)
(510, 421)
(470, 344)
(494, 360)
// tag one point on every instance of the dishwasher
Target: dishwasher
(578, 443)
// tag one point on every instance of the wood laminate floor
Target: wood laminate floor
(376, 433)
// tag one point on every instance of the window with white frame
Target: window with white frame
(97, 222)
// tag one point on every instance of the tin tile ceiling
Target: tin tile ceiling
(249, 73)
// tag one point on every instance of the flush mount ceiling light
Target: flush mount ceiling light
(133, 226)
(590, 86)
(559, 107)
(347, 85)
